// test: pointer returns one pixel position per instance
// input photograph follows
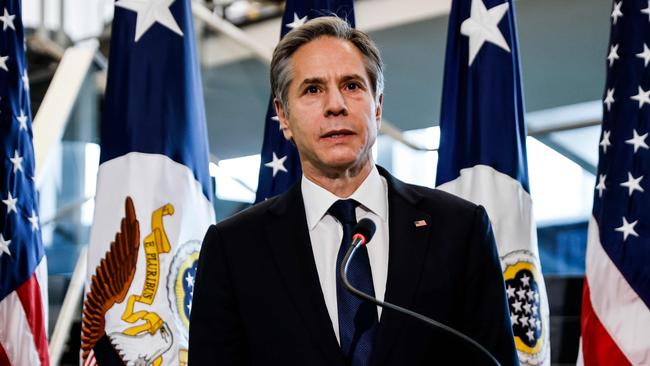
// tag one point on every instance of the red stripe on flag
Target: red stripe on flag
(4, 359)
(598, 347)
(29, 294)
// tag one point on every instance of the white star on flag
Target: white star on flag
(605, 141)
(616, 13)
(633, 184)
(642, 97)
(524, 321)
(530, 294)
(645, 55)
(517, 306)
(530, 335)
(527, 308)
(647, 10)
(4, 245)
(525, 280)
(482, 26)
(3, 63)
(17, 161)
(11, 203)
(22, 120)
(510, 291)
(33, 220)
(7, 20)
(613, 54)
(189, 279)
(627, 228)
(609, 99)
(150, 12)
(637, 141)
(600, 187)
(277, 164)
(513, 319)
(522, 294)
(297, 21)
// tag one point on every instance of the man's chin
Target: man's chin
(342, 164)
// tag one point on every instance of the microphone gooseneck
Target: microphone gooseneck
(362, 233)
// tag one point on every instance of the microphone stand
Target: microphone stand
(343, 272)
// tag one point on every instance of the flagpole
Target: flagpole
(70, 304)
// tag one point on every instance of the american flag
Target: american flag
(23, 268)
(483, 155)
(280, 164)
(616, 295)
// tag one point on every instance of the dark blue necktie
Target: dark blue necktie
(357, 318)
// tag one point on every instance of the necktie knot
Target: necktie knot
(343, 210)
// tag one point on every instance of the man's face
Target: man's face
(333, 117)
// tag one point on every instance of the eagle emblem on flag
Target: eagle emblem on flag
(146, 336)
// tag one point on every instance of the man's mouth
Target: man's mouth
(337, 134)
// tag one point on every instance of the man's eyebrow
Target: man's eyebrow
(313, 81)
(352, 77)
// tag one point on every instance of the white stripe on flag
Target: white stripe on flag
(41, 278)
(15, 335)
(580, 361)
(619, 308)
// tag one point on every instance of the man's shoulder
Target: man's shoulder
(253, 215)
(443, 199)
(429, 198)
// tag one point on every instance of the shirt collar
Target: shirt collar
(371, 194)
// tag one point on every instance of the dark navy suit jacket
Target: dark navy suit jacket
(258, 300)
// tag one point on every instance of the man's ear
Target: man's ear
(378, 110)
(282, 119)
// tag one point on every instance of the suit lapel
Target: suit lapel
(408, 244)
(288, 237)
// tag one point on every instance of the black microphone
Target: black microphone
(361, 235)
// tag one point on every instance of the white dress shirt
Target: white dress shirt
(326, 233)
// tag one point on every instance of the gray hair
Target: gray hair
(281, 70)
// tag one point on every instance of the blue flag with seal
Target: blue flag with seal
(153, 201)
(483, 155)
(280, 163)
(23, 266)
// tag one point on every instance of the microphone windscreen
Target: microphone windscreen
(366, 228)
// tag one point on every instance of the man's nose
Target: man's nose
(335, 104)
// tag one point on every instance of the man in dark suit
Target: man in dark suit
(266, 290)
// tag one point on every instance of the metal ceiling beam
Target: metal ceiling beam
(54, 112)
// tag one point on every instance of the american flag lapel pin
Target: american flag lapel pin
(420, 223)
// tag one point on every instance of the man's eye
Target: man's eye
(311, 90)
(352, 86)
